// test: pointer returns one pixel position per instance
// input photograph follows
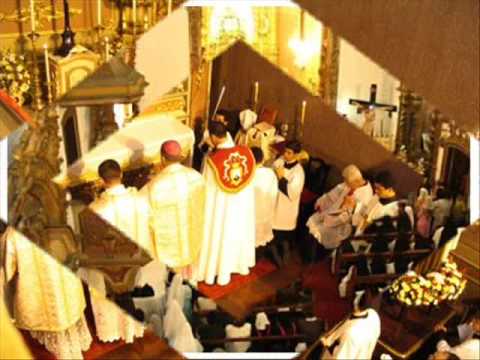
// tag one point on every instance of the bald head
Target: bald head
(353, 177)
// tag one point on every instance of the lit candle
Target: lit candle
(169, 7)
(99, 12)
(32, 14)
(255, 93)
(302, 117)
(134, 14)
(107, 49)
(47, 65)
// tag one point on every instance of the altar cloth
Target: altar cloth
(133, 146)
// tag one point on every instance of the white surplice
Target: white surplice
(123, 208)
(357, 338)
(229, 232)
(286, 212)
(266, 192)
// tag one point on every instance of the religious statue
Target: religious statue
(368, 126)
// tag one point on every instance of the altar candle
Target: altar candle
(169, 7)
(255, 93)
(32, 14)
(99, 12)
(302, 117)
(134, 14)
(47, 65)
(107, 49)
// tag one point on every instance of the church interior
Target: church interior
(179, 179)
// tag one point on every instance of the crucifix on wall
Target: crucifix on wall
(368, 109)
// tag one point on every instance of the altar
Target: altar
(134, 146)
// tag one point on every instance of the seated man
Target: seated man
(339, 207)
(467, 338)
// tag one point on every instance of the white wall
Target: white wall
(356, 73)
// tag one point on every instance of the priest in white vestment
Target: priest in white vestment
(291, 179)
(122, 207)
(323, 226)
(266, 192)
(248, 118)
(176, 196)
(48, 298)
(355, 337)
(228, 244)
(126, 210)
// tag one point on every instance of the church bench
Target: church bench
(342, 258)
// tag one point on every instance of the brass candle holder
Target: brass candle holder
(38, 103)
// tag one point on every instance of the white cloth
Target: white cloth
(154, 274)
(178, 331)
(286, 212)
(357, 338)
(468, 350)
(229, 233)
(111, 322)
(206, 304)
(248, 118)
(238, 332)
(124, 209)
(441, 211)
(261, 321)
(266, 192)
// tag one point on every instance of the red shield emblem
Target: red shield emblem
(234, 168)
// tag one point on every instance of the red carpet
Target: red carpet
(328, 304)
(215, 292)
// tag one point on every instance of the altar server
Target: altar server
(228, 244)
(176, 196)
(122, 207)
(291, 179)
(266, 191)
(48, 300)
(355, 337)
(322, 224)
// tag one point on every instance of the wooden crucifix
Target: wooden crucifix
(372, 103)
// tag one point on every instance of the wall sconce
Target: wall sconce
(304, 49)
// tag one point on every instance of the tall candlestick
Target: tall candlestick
(32, 14)
(47, 72)
(302, 116)
(134, 14)
(255, 94)
(169, 7)
(107, 49)
(99, 12)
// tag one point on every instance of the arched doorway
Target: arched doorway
(71, 140)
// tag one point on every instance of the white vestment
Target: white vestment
(357, 338)
(127, 211)
(468, 349)
(176, 196)
(233, 331)
(248, 118)
(178, 331)
(286, 212)
(228, 244)
(266, 192)
(338, 227)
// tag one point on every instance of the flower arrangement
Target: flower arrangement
(435, 287)
(15, 78)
